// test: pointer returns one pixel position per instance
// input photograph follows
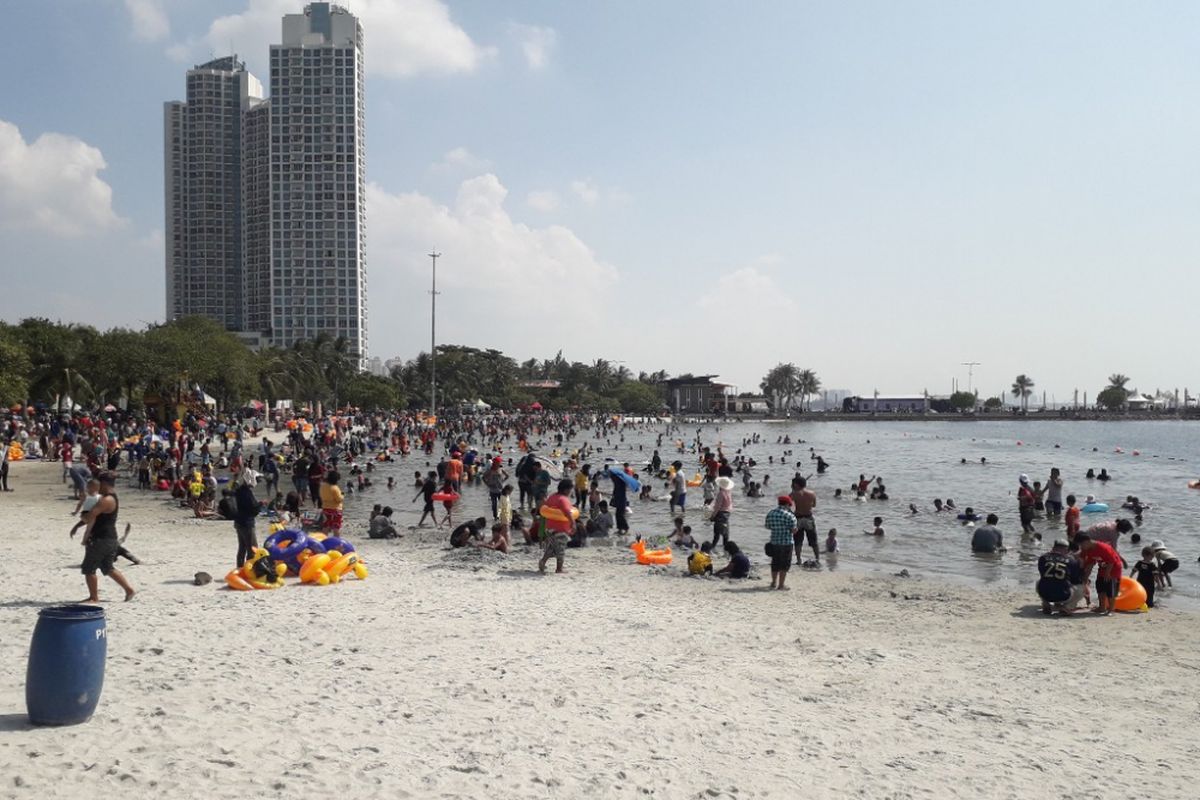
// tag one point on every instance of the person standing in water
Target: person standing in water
(804, 500)
(1054, 493)
(100, 542)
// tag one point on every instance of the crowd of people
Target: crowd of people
(553, 482)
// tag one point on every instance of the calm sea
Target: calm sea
(919, 461)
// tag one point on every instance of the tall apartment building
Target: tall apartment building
(265, 199)
(203, 182)
(318, 179)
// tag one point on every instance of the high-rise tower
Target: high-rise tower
(265, 199)
(318, 279)
(203, 182)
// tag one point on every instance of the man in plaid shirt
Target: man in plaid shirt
(781, 522)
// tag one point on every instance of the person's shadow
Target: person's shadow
(519, 573)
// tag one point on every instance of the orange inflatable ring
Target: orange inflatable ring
(655, 556)
(1132, 595)
(696, 481)
(554, 515)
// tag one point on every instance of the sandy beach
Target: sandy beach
(464, 674)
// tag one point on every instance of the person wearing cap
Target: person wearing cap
(722, 507)
(1060, 586)
(781, 522)
(1167, 562)
(1026, 500)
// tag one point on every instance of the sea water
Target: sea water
(921, 460)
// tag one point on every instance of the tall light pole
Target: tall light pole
(970, 365)
(433, 293)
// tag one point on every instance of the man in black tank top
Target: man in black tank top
(100, 542)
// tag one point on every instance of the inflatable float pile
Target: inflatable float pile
(259, 572)
(16, 452)
(315, 558)
(650, 557)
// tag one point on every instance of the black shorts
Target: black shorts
(1054, 591)
(1107, 587)
(100, 554)
(807, 529)
(1169, 566)
(781, 557)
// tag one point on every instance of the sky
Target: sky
(877, 191)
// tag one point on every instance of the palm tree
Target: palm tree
(278, 375)
(1023, 387)
(783, 381)
(1117, 380)
(810, 385)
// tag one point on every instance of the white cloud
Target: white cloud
(483, 245)
(586, 191)
(544, 200)
(52, 184)
(748, 293)
(149, 19)
(402, 37)
(537, 43)
(460, 158)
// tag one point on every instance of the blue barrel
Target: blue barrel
(66, 665)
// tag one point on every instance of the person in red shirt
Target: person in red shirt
(1071, 518)
(558, 531)
(1108, 573)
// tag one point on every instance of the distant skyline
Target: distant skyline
(876, 191)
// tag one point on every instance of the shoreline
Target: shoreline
(460, 673)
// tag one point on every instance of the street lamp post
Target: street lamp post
(433, 293)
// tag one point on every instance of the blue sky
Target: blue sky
(879, 191)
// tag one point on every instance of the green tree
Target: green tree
(964, 401)
(15, 368)
(783, 384)
(1022, 388)
(1117, 381)
(809, 385)
(372, 392)
(1113, 398)
(59, 357)
(993, 403)
(636, 397)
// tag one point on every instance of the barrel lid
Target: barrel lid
(73, 612)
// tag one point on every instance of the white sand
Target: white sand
(456, 674)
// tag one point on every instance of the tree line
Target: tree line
(58, 363)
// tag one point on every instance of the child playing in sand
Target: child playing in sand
(499, 540)
(683, 538)
(700, 561)
(602, 519)
(878, 528)
(831, 542)
(1146, 573)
